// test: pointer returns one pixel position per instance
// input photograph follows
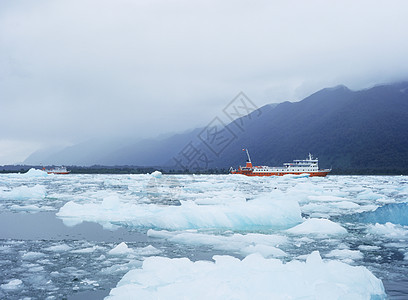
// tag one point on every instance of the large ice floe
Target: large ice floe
(24, 193)
(254, 277)
(262, 212)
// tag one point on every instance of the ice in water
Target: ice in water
(219, 236)
(254, 277)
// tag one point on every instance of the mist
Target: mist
(71, 71)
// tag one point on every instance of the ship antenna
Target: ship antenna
(249, 158)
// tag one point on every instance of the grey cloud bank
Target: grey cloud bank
(75, 70)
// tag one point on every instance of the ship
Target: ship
(300, 167)
(57, 170)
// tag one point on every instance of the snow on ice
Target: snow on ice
(254, 277)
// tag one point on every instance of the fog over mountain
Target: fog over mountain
(346, 129)
(78, 71)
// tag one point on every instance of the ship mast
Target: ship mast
(249, 158)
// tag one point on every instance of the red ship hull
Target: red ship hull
(60, 173)
(251, 173)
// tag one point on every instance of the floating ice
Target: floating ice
(32, 255)
(265, 244)
(13, 284)
(156, 174)
(262, 212)
(58, 248)
(325, 198)
(368, 195)
(87, 250)
(121, 268)
(26, 208)
(220, 197)
(396, 213)
(24, 193)
(111, 202)
(345, 254)
(35, 173)
(264, 250)
(251, 278)
(121, 249)
(148, 250)
(389, 230)
(294, 176)
(318, 227)
(368, 248)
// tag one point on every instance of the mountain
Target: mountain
(348, 130)
(114, 152)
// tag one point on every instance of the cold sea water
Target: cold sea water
(203, 237)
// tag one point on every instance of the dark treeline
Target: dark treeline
(369, 172)
(144, 170)
(113, 170)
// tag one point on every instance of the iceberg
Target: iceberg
(396, 213)
(254, 277)
(24, 192)
(35, 173)
(318, 227)
(156, 174)
(254, 214)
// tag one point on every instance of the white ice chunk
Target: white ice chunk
(345, 254)
(369, 195)
(32, 255)
(111, 202)
(264, 250)
(13, 284)
(325, 198)
(389, 230)
(368, 248)
(148, 250)
(265, 244)
(318, 227)
(35, 173)
(58, 248)
(251, 278)
(294, 176)
(156, 174)
(37, 192)
(121, 249)
(88, 250)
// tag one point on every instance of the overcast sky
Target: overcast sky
(73, 70)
